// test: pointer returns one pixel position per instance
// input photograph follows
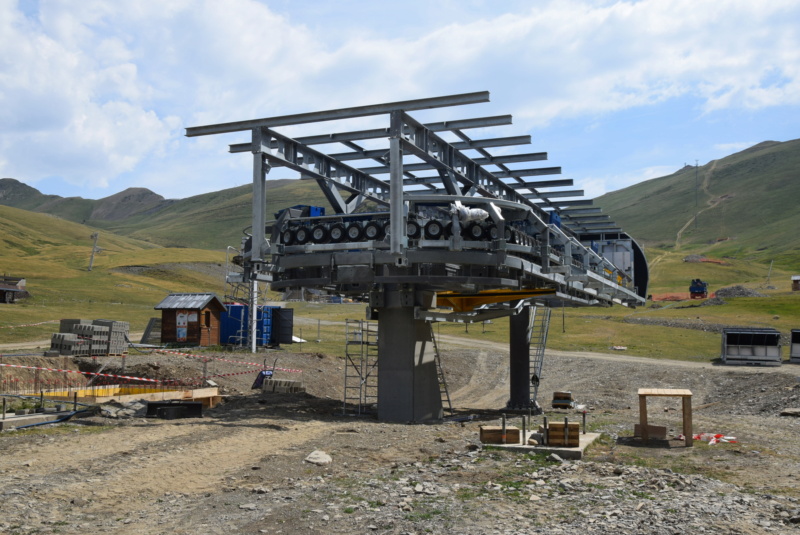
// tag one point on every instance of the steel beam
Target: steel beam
(397, 225)
(314, 164)
(583, 202)
(342, 113)
(540, 184)
(554, 194)
(578, 211)
(518, 173)
(511, 158)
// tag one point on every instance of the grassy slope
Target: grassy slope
(214, 220)
(53, 255)
(757, 219)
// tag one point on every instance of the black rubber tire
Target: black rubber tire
(434, 230)
(337, 233)
(492, 232)
(320, 234)
(473, 231)
(373, 231)
(302, 235)
(354, 232)
(413, 231)
(287, 237)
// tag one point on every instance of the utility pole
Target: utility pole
(94, 249)
(696, 188)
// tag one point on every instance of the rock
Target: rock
(248, 506)
(319, 458)
(555, 458)
(790, 412)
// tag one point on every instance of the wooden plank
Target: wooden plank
(687, 421)
(655, 431)
(493, 434)
(643, 415)
(668, 392)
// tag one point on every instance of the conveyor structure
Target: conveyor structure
(431, 221)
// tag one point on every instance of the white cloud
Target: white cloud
(92, 90)
(730, 148)
(595, 186)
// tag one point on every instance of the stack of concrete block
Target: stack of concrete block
(95, 335)
(69, 344)
(91, 337)
(117, 335)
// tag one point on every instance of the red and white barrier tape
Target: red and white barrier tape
(155, 381)
(82, 373)
(28, 324)
(259, 365)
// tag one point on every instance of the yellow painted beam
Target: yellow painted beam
(466, 302)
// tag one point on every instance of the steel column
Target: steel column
(408, 387)
(520, 351)
(397, 225)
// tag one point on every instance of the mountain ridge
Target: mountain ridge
(742, 203)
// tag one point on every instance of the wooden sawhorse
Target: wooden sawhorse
(685, 395)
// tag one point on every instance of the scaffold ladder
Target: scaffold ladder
(361, 367)
(443, 391)
(539, 324)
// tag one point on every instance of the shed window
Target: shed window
(207, 318)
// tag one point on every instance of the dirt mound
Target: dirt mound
(738, 291)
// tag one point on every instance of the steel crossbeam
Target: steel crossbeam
(326, 170)
(342, 113)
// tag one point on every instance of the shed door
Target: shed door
(181, 325)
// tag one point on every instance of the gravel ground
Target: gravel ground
(242, 467)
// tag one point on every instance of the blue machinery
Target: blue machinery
(426, 224)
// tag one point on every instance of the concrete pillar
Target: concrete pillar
(520, 364)
(408, 386)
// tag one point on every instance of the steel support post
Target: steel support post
(408, 387)
(520, 364)
(253, 334)
(397, 225)
(260, 170)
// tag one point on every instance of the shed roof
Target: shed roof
(189, 301)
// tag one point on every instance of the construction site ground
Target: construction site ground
(241, 468)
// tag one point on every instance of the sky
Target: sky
(95, 95)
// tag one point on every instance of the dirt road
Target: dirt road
(241, 468)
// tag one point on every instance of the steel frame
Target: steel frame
(553, 256)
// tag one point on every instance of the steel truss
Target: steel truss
(408, 231)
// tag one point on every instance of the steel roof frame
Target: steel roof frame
(347, 187)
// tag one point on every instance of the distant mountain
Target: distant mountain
(210, 221)
(119, 206)
(746, 206)
(743, 205)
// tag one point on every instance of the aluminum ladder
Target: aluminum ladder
(537, 329)
(361, 367)
(443, 391)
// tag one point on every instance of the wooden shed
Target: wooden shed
(191, 319)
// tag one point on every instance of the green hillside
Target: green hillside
(746, 207)
(213, 220)
(208, 221)
(53, 255)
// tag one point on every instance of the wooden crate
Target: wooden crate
(493, 434)
(555, 434)
(653, 431)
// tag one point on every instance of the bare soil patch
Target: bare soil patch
(241, 468)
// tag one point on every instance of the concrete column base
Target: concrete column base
(408, 386)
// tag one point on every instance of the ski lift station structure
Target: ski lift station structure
(432, 222)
